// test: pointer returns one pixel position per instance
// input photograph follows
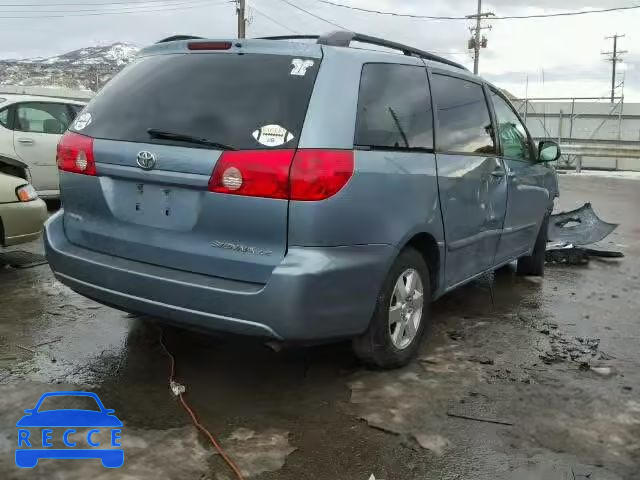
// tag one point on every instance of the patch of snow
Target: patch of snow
(88, 61)
(627, 174)
(121, 52)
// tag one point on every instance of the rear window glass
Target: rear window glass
(249, 101)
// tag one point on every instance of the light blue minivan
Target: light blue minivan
(297, 188)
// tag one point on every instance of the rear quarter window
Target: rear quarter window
(394, 107)
(241, 100)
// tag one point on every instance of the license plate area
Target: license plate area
(154, 205)
(151, 198)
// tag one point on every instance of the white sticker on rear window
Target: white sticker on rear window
(299, 66)
(82, 121)
(272, 135)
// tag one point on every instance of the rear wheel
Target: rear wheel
(533, 264)
(400, 316)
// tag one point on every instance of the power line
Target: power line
(509, 17)
(314, 15)
(131, 8)
(142, 2)
(115, 12)
(260, 12)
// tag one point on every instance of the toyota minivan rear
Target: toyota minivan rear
(177, 181)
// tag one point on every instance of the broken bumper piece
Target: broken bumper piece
(579, 227)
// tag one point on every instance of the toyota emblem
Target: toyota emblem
(146, 160)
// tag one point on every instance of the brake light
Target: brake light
(305, 175)
(320, 174)
(254, 173)
(209, 45)
(75, 154)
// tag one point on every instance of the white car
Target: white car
(30, 128)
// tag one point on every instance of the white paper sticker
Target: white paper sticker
(83, 120)
(272, 135)
(299, 66)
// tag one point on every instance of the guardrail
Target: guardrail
(56, 92)
(597, 149)
(608, 150)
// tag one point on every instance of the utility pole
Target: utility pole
(614, 59)
(242, 21)
(476, 42)
(96, 78)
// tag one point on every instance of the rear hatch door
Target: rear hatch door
(150, 200)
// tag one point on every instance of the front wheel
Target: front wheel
(400, 316)
(533, 264)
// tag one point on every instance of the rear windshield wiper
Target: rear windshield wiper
(181, 137)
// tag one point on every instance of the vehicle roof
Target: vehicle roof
(303, 47)
(10, 98)
(252, 45)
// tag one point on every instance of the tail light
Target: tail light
(320, 174)
(257, 173)
(75, 154)
(305, 175)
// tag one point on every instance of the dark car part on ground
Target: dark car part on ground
(579, 227)
(570, 231)
(568, 253)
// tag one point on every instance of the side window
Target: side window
(513, 135)
(394, 107)
(4, 118)
(464, 123)
(42, 117)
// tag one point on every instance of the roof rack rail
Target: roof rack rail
(343, 38)
(291, 37)
(174, 38)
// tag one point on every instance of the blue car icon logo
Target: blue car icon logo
(34, 445)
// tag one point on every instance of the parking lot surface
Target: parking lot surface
(520, 378)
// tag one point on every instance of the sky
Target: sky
(559, 56)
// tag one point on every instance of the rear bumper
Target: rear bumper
(314, 294)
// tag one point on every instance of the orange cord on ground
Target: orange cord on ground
(196, 422)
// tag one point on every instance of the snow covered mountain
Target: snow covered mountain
(84, 69)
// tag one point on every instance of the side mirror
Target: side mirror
(29, 410)
(548, 151)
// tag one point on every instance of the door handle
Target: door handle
(26, 141)
(498, 174)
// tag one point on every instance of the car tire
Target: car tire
(396, 329)
(533, 265)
